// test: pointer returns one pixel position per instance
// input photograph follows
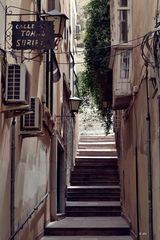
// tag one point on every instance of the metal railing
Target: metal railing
(29, 216)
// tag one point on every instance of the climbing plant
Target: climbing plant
(97, 76)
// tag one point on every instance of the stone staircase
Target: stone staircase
(93, 200)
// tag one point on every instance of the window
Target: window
(124, 65)
(124, 21)
(123, 3)
(51, 5)
(123, 16)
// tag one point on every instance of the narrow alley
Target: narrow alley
(93, 208)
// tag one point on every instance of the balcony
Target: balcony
(122, 73)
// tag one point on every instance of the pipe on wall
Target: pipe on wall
(137, 175)
(137, 192)
(149, 161)
(12, 187)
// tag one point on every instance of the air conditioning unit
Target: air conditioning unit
(32, 122)
(16, 85)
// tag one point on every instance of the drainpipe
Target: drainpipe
(51, 82)
(47, 77)
(159, 129)
(12, 188)
(137, 192)
(149, 160)
(137, 175)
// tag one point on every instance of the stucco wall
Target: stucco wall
(134, 135)
(34, 155)
(32, 158)
(4, 177)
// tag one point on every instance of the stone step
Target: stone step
(88, 226)
(98, 182)
(91, 194)
(96, 158)
(94, 204)
(86, 238)
(94, 171)
(96, 145)
(108, 213)
(96, 164)
(93, 177)
(96, 138)
(87, 231)
(93, 208)
(90, 190)
(97, 153)
(93, 197)
(89, 166)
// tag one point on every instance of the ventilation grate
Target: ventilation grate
(32, 120)
(13, 82)
(29, 120)
(16, 90)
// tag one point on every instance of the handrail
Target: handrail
(29, 216)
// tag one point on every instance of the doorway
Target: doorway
(60, 180)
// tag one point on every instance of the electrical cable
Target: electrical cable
(111, 46)
(151, 43)
(157, 12)
(2, 5)
(146, 45)
(105, 47)
(146, 38)
(33, 58)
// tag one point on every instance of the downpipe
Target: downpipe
(137, 192)
(159, 131)
(12, 187)
(149, 163)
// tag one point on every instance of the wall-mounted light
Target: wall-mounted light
(59, 20)
(74, 103)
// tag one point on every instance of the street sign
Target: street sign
(32, 35)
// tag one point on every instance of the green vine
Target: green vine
(97, 77)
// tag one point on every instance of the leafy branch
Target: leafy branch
(98, 77)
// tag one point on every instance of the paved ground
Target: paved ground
(89, 222)
(88, 238)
